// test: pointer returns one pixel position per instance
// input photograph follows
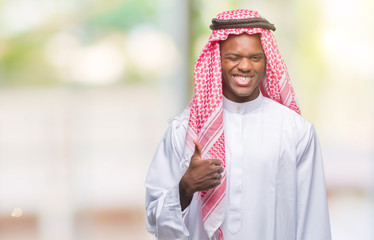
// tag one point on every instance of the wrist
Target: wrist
(184, 189)
(185, 195)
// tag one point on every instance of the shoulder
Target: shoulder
(180, 121)
(177, 131)
(283, 113)
(287, 119)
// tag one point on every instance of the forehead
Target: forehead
(243, 42)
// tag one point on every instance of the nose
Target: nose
(245, 65)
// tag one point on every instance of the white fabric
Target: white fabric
(275, 189)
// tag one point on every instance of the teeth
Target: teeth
(242, 79)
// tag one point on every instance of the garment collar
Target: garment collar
(242, 108)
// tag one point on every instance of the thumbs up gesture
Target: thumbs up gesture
(202, 174)
(198, 150)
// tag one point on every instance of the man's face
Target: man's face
(243, 67)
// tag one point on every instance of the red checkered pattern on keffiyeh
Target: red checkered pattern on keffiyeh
(206, 117)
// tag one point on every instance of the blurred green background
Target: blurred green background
(87, 87)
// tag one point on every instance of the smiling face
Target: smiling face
(243, 67)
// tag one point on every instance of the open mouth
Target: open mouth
(242, 80)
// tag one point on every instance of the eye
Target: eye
(256, 58)
(234, 59)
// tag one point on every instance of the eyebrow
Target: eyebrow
(238, 55)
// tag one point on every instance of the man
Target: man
(239, 162)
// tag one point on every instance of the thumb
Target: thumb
(197, 153)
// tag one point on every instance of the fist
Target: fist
(202, 174)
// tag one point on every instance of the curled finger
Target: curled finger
(219, 176)
(220, 169)
(218, 182)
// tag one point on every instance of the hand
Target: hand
(202, 174)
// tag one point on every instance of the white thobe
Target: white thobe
(275, 178)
